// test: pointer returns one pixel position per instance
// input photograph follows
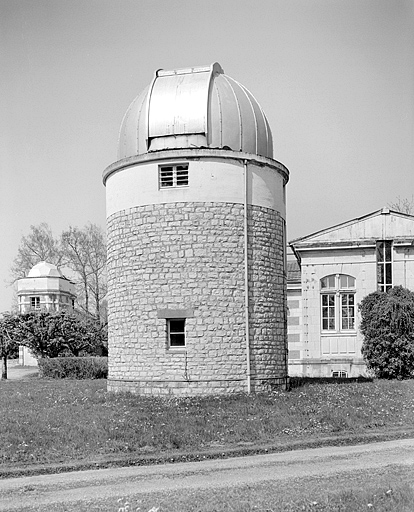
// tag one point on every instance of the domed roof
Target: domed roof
(194, 108)
(44, 269)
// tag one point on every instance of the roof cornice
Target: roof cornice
(192, 154)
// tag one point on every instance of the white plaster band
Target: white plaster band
(188, 154)
(211, 179)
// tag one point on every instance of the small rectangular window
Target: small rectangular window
(171, 176)
(328, 312)
(347, 311)
(340, 374)
(176, 332)
(35, 302)
(166, 177)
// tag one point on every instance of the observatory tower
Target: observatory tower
(44, 288)
(196, 241)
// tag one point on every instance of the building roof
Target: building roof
(384, 224)
(194, 108)
(44, 269)
(293, 271)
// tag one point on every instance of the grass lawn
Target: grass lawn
(270, 497)
(65, 421)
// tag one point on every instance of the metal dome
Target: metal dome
(44, 269)
(194, 108)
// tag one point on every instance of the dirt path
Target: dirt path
(109, 483)
(16, 372)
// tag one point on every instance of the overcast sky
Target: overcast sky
(334, 77)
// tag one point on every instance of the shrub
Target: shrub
(8, 347)
(57, 333)
(388, 328)
(73, 367)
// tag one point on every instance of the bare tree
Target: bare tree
(82, 252)
(97, 267)
(38, 245)
(403, 205)
(85, 250)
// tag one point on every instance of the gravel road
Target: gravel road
(17, 493)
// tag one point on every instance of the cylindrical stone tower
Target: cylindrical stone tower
(196, 241)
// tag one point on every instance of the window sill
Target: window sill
(177, 350)
(173, 187)
(339, 333)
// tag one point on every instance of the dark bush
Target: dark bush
(60, 333)
(73, 367)
(388, 328)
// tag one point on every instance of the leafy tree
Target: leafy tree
(98, 335)
(80, 334)
(388, 329)
(8, 347)
(54, 334)
(38, 331)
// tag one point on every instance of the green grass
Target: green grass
(265, 498)
(269, 498)
(56, 421)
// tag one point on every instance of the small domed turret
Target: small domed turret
(45, 269)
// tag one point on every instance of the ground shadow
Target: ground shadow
(298, 382)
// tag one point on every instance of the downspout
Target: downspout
(246, 279)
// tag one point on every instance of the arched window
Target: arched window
(338, 303)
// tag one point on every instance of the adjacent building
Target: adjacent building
(333, 270)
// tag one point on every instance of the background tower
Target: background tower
(196, 241)
(44, 288)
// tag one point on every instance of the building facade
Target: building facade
(196, 241)
(44, 288)
(334, 270)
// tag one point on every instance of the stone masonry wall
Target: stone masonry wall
(267, 298)
(191, 256)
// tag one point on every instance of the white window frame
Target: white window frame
(178, 178)
(35, 303)
(382, 284)
(173, 345)
(339, 374)
(335, 291)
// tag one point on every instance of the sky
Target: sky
(334, 77)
